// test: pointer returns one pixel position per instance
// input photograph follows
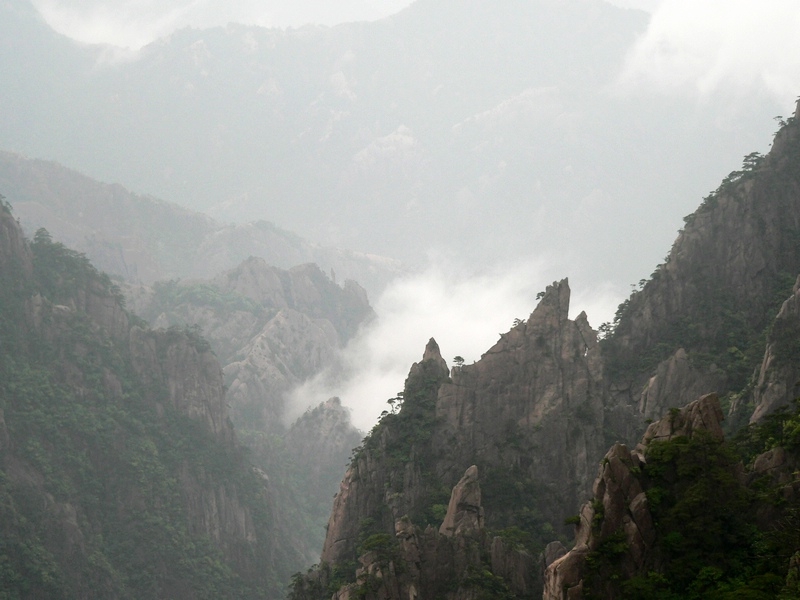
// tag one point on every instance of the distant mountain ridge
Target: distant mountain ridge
(144, 239)
(391, 137)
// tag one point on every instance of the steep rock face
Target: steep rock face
(779, 377)
(189, 371)
(721, 283)
(542, 385)
(459, 560)
(14, 252)
(620, 506)
(530, 414)
(675, 383)
(271, 329)
(382, 491)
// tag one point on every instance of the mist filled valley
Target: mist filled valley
(459, 302)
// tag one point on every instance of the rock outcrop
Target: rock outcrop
(779, 377)
(271, 328)
(620, 507)
(464, 512)
(459, 560)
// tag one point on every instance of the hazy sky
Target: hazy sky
(691, 46)
(696, 49)
(133, 23)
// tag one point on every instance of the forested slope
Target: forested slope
(120, 474)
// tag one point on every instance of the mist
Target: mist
(463, 310)
(136, 23)
(702, 47)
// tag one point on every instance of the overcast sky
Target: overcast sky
(691, 46)
(133, 23)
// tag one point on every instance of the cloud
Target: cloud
(702, 47)
(465, 312)
(135, 23)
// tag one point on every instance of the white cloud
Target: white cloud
(134, 23)
(464, 312)
(705, 46)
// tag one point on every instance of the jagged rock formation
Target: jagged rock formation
(530, 414)
(271, 329)
(661, 514)
(620, 505)
(122, 434)
(459, 560)
(535, 402)
(778, 380)
(380, 492)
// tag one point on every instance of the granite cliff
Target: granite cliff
(537, 411)
(270, 328)
(681, 516)
(698, 324)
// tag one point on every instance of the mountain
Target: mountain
(680, 516)
(699, 324)
(270, 328)
(143, 239)
(120, 472)
(394, 137)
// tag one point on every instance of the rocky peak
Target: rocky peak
(779, 375)
(704, 414)
(432, 358)
(464, 512)
(541, 384)
(554, 303)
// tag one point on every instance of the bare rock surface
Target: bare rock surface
(464, 512)
(779, 376)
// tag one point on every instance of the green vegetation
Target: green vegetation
(98, 468)
(169, 294)
(513, 497)
(717, 537)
